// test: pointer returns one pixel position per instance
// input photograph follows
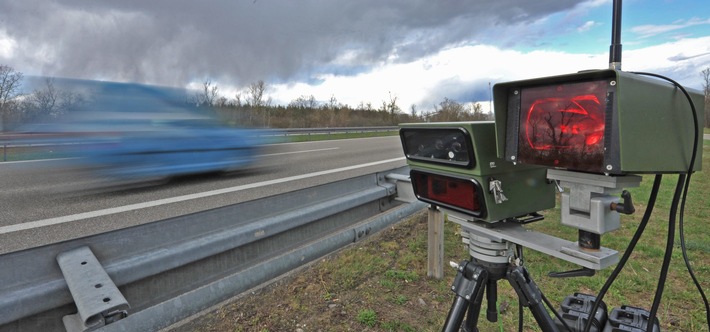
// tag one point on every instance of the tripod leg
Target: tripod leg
(492, 299)
(531, 296)
(470, 281)
(474, 310)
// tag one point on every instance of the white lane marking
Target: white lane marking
(294, 152)
(138, 206)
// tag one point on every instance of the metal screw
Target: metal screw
(512, 157)
(612, 83)
(453, 288)
(515, 92)
(468, 297)
(609, 167)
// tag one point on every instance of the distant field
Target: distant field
(323, 137)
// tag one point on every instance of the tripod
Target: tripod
(491, 260)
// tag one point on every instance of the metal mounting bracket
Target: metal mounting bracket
(97, 299)
(586, 206)
(404, 190)
(547, 244)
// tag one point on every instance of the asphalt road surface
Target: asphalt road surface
(43, 202)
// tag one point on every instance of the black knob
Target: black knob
(627, 207)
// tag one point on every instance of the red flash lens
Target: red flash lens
(563, 125)
(454, 193)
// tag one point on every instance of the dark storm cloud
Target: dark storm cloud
(458, 90)
(173, 42)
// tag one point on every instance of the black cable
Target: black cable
(519, 250)
(520, 303)
(544, 299)
(669, 251)
(520, 316)
(685, 192)
(687, 261)
(557, 314)
(632, 244)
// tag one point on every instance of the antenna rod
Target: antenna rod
(615, 47)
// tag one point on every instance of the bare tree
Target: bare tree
(332, 107)
(50, 102)
(363, 106)
(477, 113)
(393, 109)
(208, 96)
(449, 110)
(389, 110)
(46, 101)
(256, 93)
(238, 99)
(70, 101)
(303, 109)
(10, 82)
(256, 100)
(304, 102)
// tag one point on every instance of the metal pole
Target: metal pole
(435, 243)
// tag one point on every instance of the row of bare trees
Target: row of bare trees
(252, 107)
(10, 82)
(47, 102)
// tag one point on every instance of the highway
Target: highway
(44, 202)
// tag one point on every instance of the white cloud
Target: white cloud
(419, 82)
(427, 81)
(650, 30)
(7, 45)
(681, 60)
(586, 26)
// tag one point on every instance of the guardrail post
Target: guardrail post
(435, 245)
(98, 300)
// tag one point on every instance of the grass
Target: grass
(31, 153)
(367, 317)
(325, 137)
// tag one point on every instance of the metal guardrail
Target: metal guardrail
(168, 270)
(335, 130)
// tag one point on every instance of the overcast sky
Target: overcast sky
(418, 51)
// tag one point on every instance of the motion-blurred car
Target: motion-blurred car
(137, 133)
(159, 146)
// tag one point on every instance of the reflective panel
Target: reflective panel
(457, 194)
(563, 125)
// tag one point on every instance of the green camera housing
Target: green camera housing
(602, 121)
(466, 151)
